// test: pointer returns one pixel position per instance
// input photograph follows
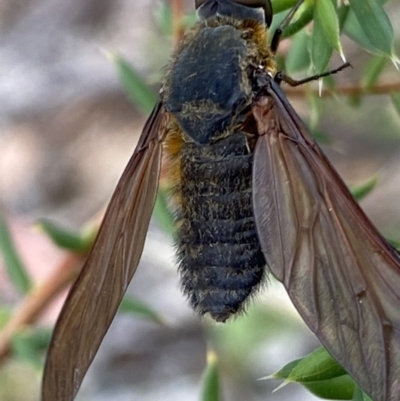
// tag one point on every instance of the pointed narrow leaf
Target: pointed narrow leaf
(395, 96)
(65, 238)
(29, 345)
(321, 137)
(375, 23)
(286, 370)
(5, 314)
(317, 366)
(325, 15)
(16, 270)
(373, 71)
(342, 13)
(315, 110)
(163, 15)
(359, 395)
(394, 242)
(210, 383)
(338, 388)
(362, 190)
(281, 5)
(135, 307)
(320, 374)
(162, 212)
(305, 17)
(321, 49)
(353, 30)
(189, 20)
(298, 58)
(138, 92)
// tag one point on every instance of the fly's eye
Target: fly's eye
(264, 4)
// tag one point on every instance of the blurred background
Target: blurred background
(67, 130)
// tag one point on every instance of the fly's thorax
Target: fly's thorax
(208, 85)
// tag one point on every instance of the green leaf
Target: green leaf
(321, 137)
(359, 395)
(163, 16)
(162, 212)
(317, 366)
(138, 92)
(394, 242)
(302, 17)
(29, 345)
(338, 388)
(375, 23)
(210, 390)
(354, 101)
(321, 49)
(326, 17)
(353, 30)
(362, 190)
(286, 370)
(373, 70)
(135, 307)
(282, 5)
(298, 58)
(305, 17)
(315, 111)
(342, 13)
(320, 374)
(65, 238)
(189, 20)
(5, 314)
(16, 270)
(395, 96)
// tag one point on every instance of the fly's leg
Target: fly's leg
(276, 38)
(281, 76)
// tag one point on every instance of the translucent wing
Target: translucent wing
(341, 275)
(94, 298)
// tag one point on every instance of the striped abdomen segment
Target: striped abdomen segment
(221, 262)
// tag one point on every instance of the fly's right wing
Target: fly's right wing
(95, 296)
(341, 275)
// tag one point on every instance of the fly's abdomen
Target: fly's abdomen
(221, 262)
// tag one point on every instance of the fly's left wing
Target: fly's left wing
(95, 296)
(341, 275)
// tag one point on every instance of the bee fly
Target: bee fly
(254, 194)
